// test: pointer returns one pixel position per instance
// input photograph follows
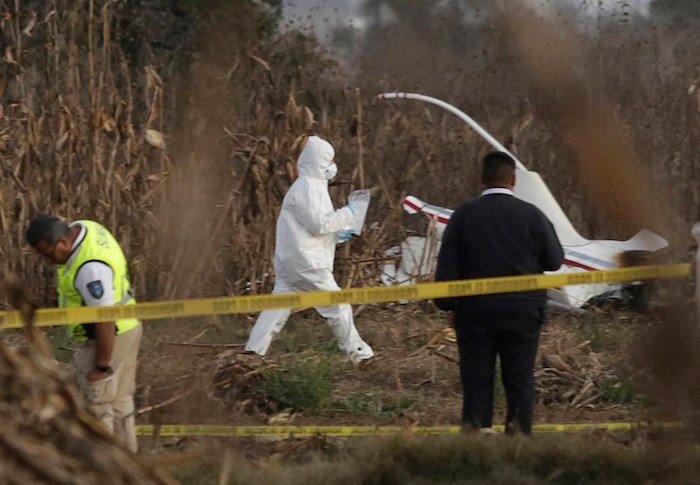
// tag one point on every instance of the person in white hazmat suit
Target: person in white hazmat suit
(305, 250)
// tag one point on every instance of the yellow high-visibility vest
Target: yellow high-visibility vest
(97, 245)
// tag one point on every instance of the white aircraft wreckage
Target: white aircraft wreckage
(418, 255)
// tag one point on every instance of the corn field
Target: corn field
(186, 158)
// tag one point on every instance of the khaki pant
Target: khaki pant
(111, 400)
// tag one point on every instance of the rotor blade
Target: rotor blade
(461, 114)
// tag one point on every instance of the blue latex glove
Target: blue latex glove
(344, 236)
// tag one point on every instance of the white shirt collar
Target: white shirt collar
(81, 235)
(497, 190)
(75, 248)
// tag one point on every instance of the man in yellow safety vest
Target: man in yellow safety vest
(92, 271)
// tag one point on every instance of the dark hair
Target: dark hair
(46, 228)
(498, 168)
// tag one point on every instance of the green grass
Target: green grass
(306, 382)
(61, 345)
(375, 405)
(610, 333)
(603, 335)
(621, 391)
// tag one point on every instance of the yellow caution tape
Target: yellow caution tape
(256, 303)
(302, 431)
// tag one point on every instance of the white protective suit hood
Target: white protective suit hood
(307, 222)
(316, 156)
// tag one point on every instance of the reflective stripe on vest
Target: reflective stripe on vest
(97, 245)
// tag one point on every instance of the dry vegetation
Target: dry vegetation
(178, 126)
(187, 163)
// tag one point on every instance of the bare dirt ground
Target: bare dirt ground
(193, 373)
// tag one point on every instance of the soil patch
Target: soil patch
(195, 372)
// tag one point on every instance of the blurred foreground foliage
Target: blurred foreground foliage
(494, 459)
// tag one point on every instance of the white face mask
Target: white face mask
(331, 171)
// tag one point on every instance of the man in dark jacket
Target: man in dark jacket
(497, 235)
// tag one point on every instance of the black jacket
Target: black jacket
(497, 235)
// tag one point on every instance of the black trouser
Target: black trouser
(513, 335)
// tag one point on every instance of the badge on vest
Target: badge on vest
(96, 290)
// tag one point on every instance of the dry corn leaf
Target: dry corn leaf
(30, 25)
(265, 66)
(280, 418)
(309, 120)
(260, 61)
(108, 124)
(152, 76)
(9, 57)
(50, 16)
(524, 123)
(448, 333)
(298, 144)
(289, 168)
(3, 221)
(556, 362)
(62, 140)
(155, 139)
